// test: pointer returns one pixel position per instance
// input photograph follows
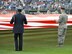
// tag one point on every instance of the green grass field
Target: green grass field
(36, 41)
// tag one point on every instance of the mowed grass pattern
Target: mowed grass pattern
(36, 41)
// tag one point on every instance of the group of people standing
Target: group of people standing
(19, 20)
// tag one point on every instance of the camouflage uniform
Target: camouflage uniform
(62, 28)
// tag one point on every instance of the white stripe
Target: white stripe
(5, 22)
(34, 24)
(35, 18)
(2, 26)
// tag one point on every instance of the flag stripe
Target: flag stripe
(34, 21)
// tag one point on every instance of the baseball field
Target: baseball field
(36, 41)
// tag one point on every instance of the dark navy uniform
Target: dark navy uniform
(19, 20)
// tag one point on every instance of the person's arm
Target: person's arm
(60, 19)
(25, 20)
(12, 20)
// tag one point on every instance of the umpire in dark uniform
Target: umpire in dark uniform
(18, 20)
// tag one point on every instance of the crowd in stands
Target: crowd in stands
(38, 6)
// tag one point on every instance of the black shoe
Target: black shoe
(20, 50)
(60, 45)
(16, 49)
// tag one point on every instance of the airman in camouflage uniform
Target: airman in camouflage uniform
(62, 28)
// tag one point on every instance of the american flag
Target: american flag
(34, 21)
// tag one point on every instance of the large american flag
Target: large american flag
(34, 21)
